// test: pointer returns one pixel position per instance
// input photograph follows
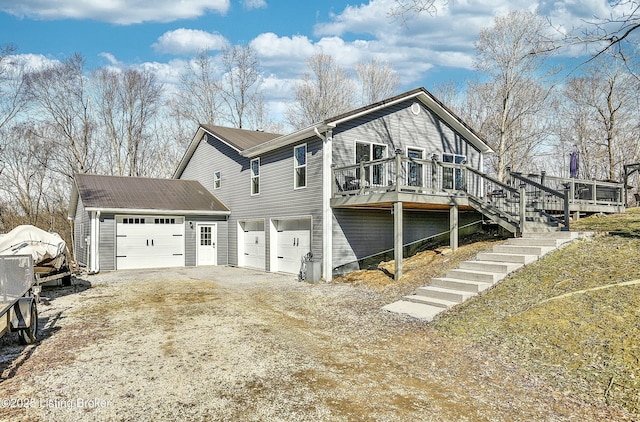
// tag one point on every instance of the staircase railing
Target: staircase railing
(539, 197)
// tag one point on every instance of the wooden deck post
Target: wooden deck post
(397, 238)
(453, 227)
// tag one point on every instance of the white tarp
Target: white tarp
(29, 240)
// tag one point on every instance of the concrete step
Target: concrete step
(494, 267)
(536, 241)
(413, 309)
(456, 296)
(431, 301)
(522, 250)
(471, 286)
(560, 234)
(506, 257)
(473, 275)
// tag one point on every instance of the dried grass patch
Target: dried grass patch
(548, 318)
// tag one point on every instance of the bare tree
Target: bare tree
(325, 91)
(241, 85)
(60, 95)
(199, 95)
(509, 53)
(403, 9)
(127, 103)
(25, 177)
(12, 88)
(378, 80)
(602, 112)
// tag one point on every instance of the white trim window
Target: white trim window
(300, 166)
(217, 180)
(453, 178)
(255, 176)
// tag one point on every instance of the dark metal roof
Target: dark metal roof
(240, 139)
(140, 193)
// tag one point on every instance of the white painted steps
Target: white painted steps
(476, 275)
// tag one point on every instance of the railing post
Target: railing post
(593, 193)
(566, 207)
(362, 178)
(398, 169)
(523, 206)
(434, 173)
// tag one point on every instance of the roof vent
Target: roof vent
(415, 108)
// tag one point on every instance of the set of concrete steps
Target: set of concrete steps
(476, 275)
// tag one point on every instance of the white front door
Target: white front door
(206, 248)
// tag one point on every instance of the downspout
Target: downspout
(327, 212)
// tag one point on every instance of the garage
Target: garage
(149, 242)
(252, 244)
(292, 243)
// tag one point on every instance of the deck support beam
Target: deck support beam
(397, 238)
(454, 224)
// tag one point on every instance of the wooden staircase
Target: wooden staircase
(476, 275)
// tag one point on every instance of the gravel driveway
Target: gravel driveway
(230, 344)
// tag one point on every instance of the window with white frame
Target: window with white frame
(453, 178)
(217, 180)
(300, 166)
(255, 176)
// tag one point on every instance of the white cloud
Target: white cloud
(121, 12)
(27, 62)
(189, 41)
(254, 4)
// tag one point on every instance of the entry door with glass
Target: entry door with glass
(414, 173)
(206, 251)
(374, 174)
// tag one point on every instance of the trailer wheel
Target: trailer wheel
(28, 335)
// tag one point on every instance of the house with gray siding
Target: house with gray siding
(350, 187)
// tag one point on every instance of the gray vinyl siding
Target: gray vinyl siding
(191, 239)
(81, 230)
(277, 198)
(398, 127)
(107, 253)
(361, 233)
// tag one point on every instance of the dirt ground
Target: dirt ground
(229, 344)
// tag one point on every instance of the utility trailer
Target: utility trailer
(19, 295)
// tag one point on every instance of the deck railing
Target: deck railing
(582, 191)
(509, 200)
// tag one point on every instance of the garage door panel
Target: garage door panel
(254, 249)
(149, 242)
(292, 246)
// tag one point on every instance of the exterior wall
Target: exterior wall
(81, 230)
(398, 127)
(277, 199)
(107, 253)
(361, 233)
(190, 238)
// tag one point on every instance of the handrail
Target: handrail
(492, 180)
(537, 185)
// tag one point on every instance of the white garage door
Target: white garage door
(293, 243)
(149, 242)
(252, 244)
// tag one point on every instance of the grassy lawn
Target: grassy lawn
(572, 318)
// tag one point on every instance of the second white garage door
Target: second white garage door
(252, 244)
(149, 242)
(292, 244)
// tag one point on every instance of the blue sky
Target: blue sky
(163, 35)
